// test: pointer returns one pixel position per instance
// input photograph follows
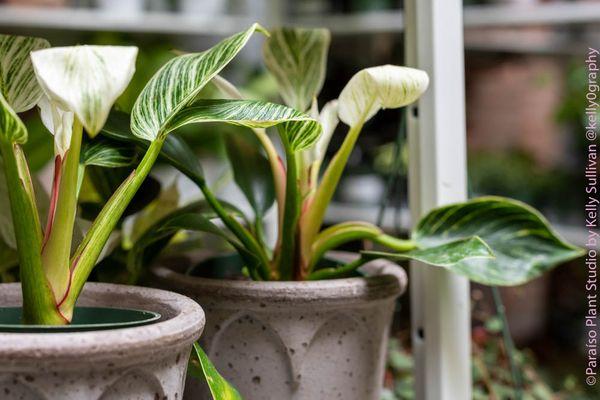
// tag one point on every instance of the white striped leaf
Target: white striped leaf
(19, 87)
(300, 129)
(523, 243)
(386, 86)
(178, 82)
(297, 58)
(19, 90)
(109, 154)
(85, 80)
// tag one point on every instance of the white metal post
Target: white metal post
(437, 175)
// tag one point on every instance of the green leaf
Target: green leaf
(252, 173)
(300, 129)
(444, 255)
(195, 217)
(174, 151)
(386, 86)
(85, 80)
(18, 85)
(297, 58)
(524, 244)
(109, 154)
(202, 368)
(179, 81)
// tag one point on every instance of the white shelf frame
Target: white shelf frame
(440, 300)
(88, 19)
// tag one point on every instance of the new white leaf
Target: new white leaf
(386, 86)
(59, 122)
(85, 80)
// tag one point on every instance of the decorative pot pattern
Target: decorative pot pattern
(295, 340)
(146, 362)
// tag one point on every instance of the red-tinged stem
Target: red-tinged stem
(58, 160)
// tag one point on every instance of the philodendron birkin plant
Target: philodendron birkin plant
(491, 240)
(75, 88)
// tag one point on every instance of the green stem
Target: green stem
(238, 230)
(508, 343)
(56, 250)
(340, 272)
(38, 301)
(399, 245)
(287, 256)
(89, 250)
(313, 219)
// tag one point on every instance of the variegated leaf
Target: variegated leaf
(301, 130)
(444, 255)
(386, 86)
(178, 82)
(85, 80)
(18, 85)
(109, 154)
(12, 128)
(297, 58)
(59, 122)
(523, 243)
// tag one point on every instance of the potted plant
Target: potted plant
(295, 320)
(49, 347)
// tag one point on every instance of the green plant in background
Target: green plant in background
(491, 240)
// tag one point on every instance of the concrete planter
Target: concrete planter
(145, 362)
(295, 340)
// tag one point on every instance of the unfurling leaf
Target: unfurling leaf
(59, 122)
(523, 243)
(85, 80)
(297, 58)
(329, 121)
(178, 82)
(386, 86)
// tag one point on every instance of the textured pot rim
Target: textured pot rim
(183, 327)
(356, 289)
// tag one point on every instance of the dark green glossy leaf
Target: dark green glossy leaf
(523, 243)
(444, 255)
(200, 367)
(193, 217)
(252, 172)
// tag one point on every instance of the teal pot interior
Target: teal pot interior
(84, 319)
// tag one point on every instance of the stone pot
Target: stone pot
(144, 362)
(295, 340)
